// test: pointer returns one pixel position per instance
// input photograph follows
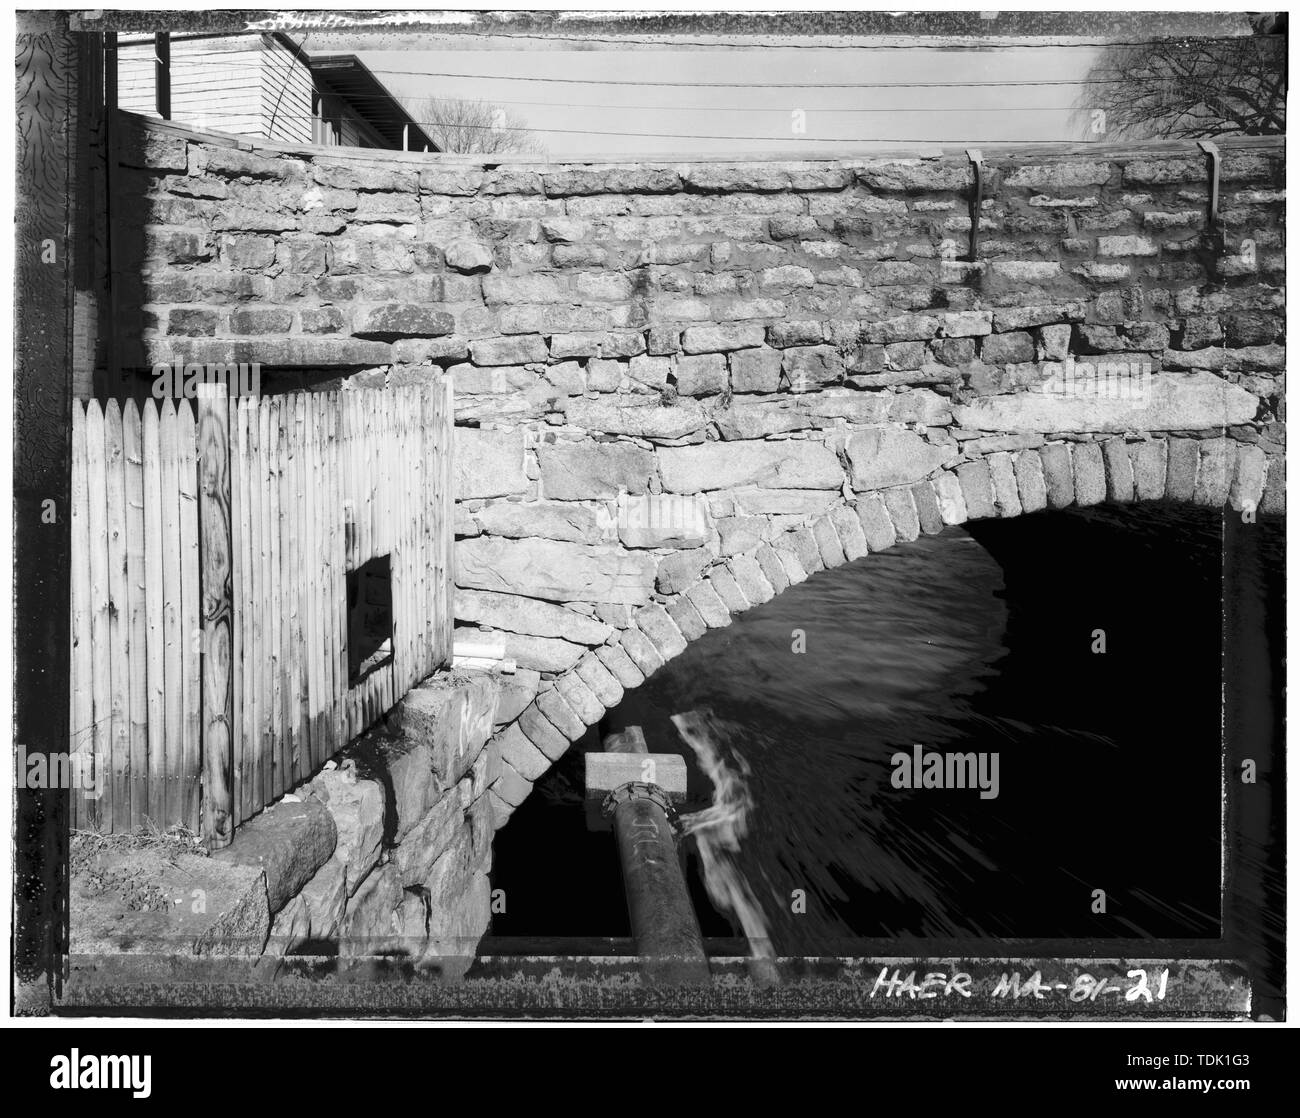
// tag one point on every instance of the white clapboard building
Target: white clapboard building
(265, 85)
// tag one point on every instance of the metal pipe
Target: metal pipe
(162, 74)
(976, 158)
(667, 934)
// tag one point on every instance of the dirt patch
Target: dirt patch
(111, 865)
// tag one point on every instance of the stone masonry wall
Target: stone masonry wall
(682, 387)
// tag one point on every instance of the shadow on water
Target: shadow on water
(980, 640)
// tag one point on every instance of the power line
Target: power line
(736, 108)
(985, 44)
(758, 85)
(288, 73)
(734, 85)
(676, 108)
(954, 47)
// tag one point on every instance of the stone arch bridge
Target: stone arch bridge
(682, 387)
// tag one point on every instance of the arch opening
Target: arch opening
(980, 639)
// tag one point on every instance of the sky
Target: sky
(649, 119)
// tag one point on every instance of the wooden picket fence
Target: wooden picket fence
(211, 551)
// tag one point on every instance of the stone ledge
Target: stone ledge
(288, 842)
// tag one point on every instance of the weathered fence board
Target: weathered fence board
(82, 707)
(136, 611)
(118, 623)
(98, 607)
(166, 808)
(191, 628)
(217, 582)
(155, 772)
(210, 618)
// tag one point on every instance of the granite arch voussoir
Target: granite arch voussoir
(1211, 472)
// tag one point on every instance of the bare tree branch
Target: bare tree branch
(1190, 88)
(474, 127)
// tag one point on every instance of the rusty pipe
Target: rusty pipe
(659, 907)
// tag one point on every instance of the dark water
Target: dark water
(1109, 764)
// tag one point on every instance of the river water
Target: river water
(987, 641)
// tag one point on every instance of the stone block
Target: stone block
(663, 632)
(1248, 478)
(560, 714)
(453, 716)
(795, 464)
(851, 539)
(679, 570)
(1058, 474)
(662, 520)
(1175, 402)
(1148, 460)
(641, 650)
(1214, 472)
(1006, 494)
(774, 570)
(368, 926)
(518, 751)
(804, 544)
(721, 339)
(884, 457)
(517, 614)
(289, 842)
(902, 511)
(357, 807)
(1119, 470)
(591, 470)
(550, 569)
(877, 525)
(686, 617)
(402, 320)
(1274, 499)
(542, 732)
(540, 654)
(1089, 474)
(724, 584)
(1030, 481)
(489, 463)
(708, 605)
(649, 420)
(952, 502)
(515, 691)
(620, 665)
(977, 490)
(1180, 476)
(828, 542)
(600, 681)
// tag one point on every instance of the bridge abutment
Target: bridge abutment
(683, 386)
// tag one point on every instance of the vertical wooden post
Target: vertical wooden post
(115, 380)
(47, 196)
(215, 570)
(162, 73)
(91, 262)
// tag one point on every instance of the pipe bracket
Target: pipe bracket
(976, 158)
(1214, 163)
(641, 790)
